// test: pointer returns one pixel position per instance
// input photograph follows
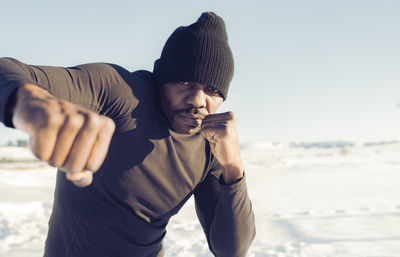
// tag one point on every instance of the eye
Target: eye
(183, 83)
(212, 90)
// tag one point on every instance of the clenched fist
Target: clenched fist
(65, 135)
(221, 132)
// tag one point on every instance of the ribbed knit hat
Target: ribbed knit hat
(197, 53)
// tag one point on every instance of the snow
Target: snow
(318, 199)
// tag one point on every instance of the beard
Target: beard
(187, 120)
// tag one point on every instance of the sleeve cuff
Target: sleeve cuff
(235, 186)
(7, 96)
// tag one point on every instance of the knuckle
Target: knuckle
(70, 176)
(71, 169)
(110, 123)
(92, 166)
(230, 132)
(87, 125)
(74, 121)
(41, 155)
(231, 115)
(76, 169)
(92, 120)
(226, 130)
(53, 163)
(66, 169)
(53, 119)
(95, 161)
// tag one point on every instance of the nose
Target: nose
(196, 97)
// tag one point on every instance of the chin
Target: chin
(187, 130)
(184, 127)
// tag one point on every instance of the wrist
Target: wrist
(232, 173)
(9, 108)
(23, 97)
(27, 91)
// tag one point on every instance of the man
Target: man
(153, 140)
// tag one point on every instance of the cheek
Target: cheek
(173, 103)
(170, 101)
(214, 104)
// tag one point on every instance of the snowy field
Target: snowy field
(310, 200)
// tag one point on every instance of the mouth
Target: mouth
(189, 115)
(191, 118)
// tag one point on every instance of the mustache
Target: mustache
(191, 110)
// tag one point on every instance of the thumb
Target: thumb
(209, 134)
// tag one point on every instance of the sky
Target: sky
(304, 70)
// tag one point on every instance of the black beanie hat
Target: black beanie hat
(197, 53)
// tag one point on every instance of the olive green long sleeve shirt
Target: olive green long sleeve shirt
(149, 173)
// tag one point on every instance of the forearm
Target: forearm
(20, 82)
(232, 173)
(75, 85)
(98, 87)
(233, 227)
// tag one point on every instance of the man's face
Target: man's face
(187, 103)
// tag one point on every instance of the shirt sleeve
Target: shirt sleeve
(226, 215)
(100, 87)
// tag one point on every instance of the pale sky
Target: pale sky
(304, 70)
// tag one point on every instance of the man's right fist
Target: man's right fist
(63, 134)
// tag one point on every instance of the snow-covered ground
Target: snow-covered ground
(335, 199)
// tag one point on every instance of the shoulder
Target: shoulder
(116, 77)
(102, 70)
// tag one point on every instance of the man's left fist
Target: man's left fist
(221, 132)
